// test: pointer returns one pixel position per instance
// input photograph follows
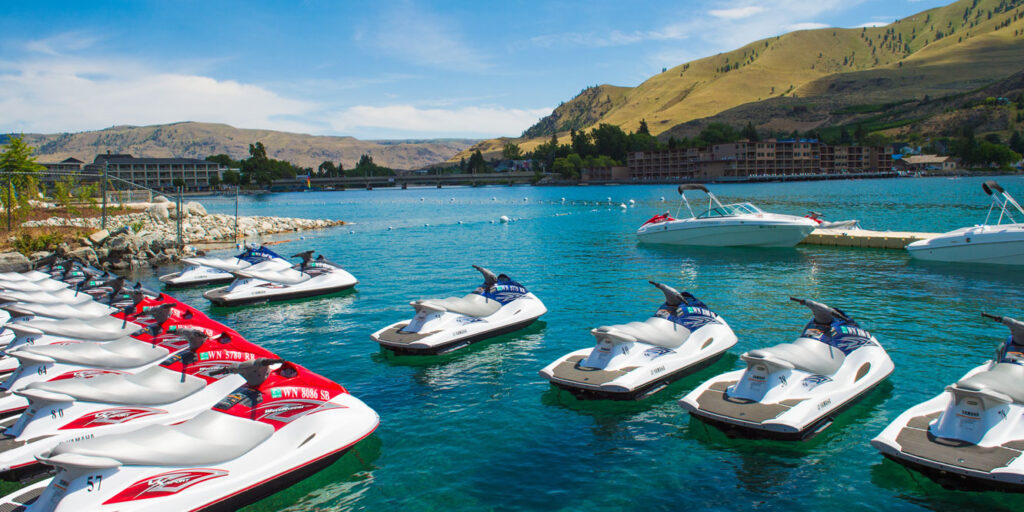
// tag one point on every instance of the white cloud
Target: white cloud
(479, 121)
(872, 24)
(423, 39)
(736, 13)
(807, 25)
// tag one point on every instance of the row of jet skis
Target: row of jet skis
(137, 401)
(970, 435)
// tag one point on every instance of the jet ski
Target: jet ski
(203, 271)
(265, 282)
(283, 425)
(835, 224)
(635, 360)
(794, 390)
(177, 389)
(970, 435)
(498, 306)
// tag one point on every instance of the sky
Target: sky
(372, 70)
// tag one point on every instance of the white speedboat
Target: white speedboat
(266, 282)
(499, 306)
(999, 243)
(740, 224)
(635, 360)
(970, 436)
(202, 271)
(794, 390)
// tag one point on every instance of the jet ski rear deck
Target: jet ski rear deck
(393, 339)
(585, 383)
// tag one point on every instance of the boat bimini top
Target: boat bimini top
(1003, 200)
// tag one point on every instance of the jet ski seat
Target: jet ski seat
(471, 305)
(153, 386)
(212, 437)
(120, 353)
(655, 331)
(102, 328)
(804, 354)
(1005, 378)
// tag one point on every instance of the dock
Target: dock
(865, 238)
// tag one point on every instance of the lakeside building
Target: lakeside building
(770, 158)
(157, 173)
(926, 163)
(56, 171)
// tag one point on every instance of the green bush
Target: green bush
(27, 244)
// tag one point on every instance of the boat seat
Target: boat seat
(153, 386)
(806, 354)
(1005, 378)
(120, 353)
(102, 328)
(470, 305)
(210, 438)
(653, 331)
(77, 311)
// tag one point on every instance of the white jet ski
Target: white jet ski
(499, 306)
(283, 425)
(69, 410)
(203, 271)
(635, 360)
(999, 243)
(850, 224)
(794, 390)
(265, 282)
(970, 436)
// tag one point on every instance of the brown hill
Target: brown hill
(199, 140)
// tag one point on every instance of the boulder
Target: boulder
(99, 236)
(38, 255)
(161, 199)
(86, 254)
(14, 262)
(125, 242)
(158, 212)
(194, 208)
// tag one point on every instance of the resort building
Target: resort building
(156, 173)
(56, 171)
(926, 163)
(770, 158)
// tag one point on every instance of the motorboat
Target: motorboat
(969, 436)
(264, 282)
(739, 224)
(498, 306)
(835, 224)
(637, 359)
(283, 424)
(794, 390)
(177, 389)
(203, 271)
(1001, 242)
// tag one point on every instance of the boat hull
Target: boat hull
(1004, 246)
(727, 233)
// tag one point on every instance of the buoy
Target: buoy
(609, 200)
(632, 202)
(504, 219)
(563, 199)
(494, 198)
(663, 199)
(421, 199)
(426, 225)
(526, 199)
(622, 205)
(460, 222)
(491, 221)
(390, 228)
(351, 232)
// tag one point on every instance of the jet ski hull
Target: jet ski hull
(392, 340)
(177, 280)
(584, 391)
(221, 297)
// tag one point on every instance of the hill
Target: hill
(199, 140)
(947, 50)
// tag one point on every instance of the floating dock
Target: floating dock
(865, 238)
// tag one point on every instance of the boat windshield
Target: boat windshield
(730, 210)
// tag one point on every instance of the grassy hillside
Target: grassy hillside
(950, 49)
(199, 140)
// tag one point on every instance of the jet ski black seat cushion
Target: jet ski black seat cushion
(121, 353)
(210, 438)
(653, 331)
(806, 354)
(470, 305)
(152, 386)
(1005, 378)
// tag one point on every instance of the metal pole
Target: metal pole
(10, 187)
(180, 215)
(103, 222)
(236, 214)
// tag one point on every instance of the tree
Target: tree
(643, 127)
(611, 141)
(750, 133)
(366, 167)
(214, 181)
(718, 133)
(1017, 142)
(859, 134)
(224, 160)
(845, 137)
(231, 177)
(19, 168)
(326, 168)
(257, 151)
(476, 163)
(581, 144)
(511, 151)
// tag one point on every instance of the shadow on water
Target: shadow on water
(339, 486)
(1003, 275)
(917, 489)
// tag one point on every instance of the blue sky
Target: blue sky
(372, 70)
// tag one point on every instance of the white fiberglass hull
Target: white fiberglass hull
(1000, 245)
(769, 230)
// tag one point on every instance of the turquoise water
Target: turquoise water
(478, 429)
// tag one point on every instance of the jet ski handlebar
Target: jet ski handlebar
(672, 296)
(1016, 326)
(823, 314)
(254, 371)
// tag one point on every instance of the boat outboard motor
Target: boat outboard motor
(489, 277)
(1013, 349)
(306, 256)
(823, 314)
(254, 372)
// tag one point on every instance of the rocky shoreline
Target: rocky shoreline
(150, 237)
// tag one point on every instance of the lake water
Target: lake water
(478, 429)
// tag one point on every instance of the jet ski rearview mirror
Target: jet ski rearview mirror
(823, 314)
(672, 296)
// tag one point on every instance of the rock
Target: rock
(38, 255)
(158, 212)
(102, 253)
(99, 236)
(86, 254)
(161, 199)
(194, 208)
(121, 265)
(125, 242)
(170, 251)
(14, 262)
(63, 248)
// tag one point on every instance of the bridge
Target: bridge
(405, 180)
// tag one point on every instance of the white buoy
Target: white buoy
(426, 225)
(525, 199)
(491, 221)
(504, 219)
(663, 199)
(632, 202)
(563, 199)
(460, 222)
(609, 200)
(351, 232)
(494, 198)
(421, 199)
(622, 205)
(390, 228)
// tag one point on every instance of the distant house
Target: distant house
(56, 171)
(926, 163)
(512, 165)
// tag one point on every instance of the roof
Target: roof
(926, 159)
(71, 160)
(129, 159)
